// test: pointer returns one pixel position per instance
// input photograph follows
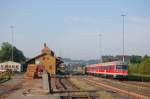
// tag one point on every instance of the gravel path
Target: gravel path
(19, 88)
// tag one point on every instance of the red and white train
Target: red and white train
(115, 69)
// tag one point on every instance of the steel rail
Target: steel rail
(138, 96)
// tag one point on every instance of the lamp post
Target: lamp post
(12, 52)
(100, 47)
(123, 16)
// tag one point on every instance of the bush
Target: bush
(138, 78)
(144, 68)
(133, 69)
(141, 69)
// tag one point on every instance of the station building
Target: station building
(46, 61)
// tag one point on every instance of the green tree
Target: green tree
(5, 53)
(145, 57)
(144, 67)
(133, 68)
(135, 59)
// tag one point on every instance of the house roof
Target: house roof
(35, 57)
(10, 62)
(58, 59)
(45, 51)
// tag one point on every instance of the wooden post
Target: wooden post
(50, 85)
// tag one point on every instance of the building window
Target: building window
(16, 66)
(2, 67)
(6, 66)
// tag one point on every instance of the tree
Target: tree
(144, 68)
(145, 57)
(135, 59)
(5, 53)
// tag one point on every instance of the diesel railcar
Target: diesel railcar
(115, 69)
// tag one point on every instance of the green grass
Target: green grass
(6, 76)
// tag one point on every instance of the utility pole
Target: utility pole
(60, 54)
(12, 47)
(123, 16)
(100, 48)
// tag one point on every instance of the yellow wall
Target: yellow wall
(49, 63)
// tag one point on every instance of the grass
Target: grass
(105, 95)
(99, 92)
(5, 77)
(81, 84)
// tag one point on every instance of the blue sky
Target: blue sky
(71, 27)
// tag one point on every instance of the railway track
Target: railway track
(139, 86)
(116, 86)
(64, 85)
(68, 90)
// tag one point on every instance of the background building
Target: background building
(14, 66)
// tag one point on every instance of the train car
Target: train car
(115, 69)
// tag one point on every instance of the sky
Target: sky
(71, 28)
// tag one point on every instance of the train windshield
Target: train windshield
(124, 67)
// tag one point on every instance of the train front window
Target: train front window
(124, 67)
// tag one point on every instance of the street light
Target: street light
(12, 31)
(123, 15)
(100, 47)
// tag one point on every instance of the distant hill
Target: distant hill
(81, 62)
(106, 58)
